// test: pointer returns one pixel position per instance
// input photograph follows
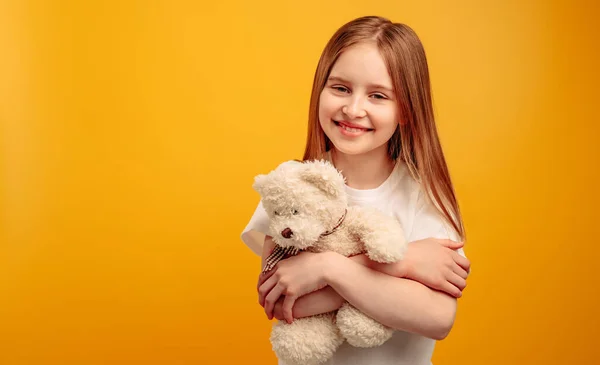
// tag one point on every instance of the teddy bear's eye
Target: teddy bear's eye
(294, 211)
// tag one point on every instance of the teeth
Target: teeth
(351, 129)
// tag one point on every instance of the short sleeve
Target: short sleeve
(428, 223)
(255, 231)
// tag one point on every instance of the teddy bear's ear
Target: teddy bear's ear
(324, 176)
(262, 183)
(259, 183)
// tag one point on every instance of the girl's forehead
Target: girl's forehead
(361, 63)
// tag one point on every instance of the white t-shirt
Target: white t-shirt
(398, 196)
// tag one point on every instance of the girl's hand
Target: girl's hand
(292, 278)
(434, 263)
(321, 301)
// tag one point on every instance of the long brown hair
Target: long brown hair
(416, 140)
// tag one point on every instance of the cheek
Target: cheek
(327, 105)
(385, 120)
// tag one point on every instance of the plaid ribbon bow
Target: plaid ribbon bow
(278, 254)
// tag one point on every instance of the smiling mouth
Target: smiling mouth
(352, 129)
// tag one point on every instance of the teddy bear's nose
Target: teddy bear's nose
(287, 233)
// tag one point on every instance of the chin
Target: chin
(352, 148)
(350, 151)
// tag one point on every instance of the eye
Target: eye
(294, 212)
(341, 89)
(379, 96)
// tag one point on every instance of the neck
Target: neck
(365, 171)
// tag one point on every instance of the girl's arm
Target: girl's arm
(324, 300)
(398, 303)
(433, 262)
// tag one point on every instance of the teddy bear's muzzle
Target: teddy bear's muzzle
(287, 233)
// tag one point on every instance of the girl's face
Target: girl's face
(357, 107)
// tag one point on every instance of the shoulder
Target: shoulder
(424, 218)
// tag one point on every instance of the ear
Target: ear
(324, 176)
(285, 168)
(259, 184)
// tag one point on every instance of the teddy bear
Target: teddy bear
(308, 210)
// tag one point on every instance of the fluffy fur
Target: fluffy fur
(308, 199)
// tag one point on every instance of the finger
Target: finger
(460, 271)
(457, 281)
(278, 309)
(264, 277)
(451, 289)
(462, 261)
(272, 298)
(451, 244)
(265, 289)
(288, 306)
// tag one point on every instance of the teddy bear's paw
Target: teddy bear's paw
(382, 235)
(386, 253)
(359, 329)
(306, 341)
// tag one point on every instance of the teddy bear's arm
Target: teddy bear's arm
(381, 235)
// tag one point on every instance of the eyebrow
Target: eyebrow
(374, 86)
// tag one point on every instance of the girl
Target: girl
(371, 115)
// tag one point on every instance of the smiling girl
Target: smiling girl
(371, 115)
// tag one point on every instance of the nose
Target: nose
(287, 233)
(354, 108)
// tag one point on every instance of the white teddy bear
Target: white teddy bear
(308, 210)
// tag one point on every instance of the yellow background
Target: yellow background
(131, 132)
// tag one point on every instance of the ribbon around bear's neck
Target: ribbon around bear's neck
(339, 223)
(279, 253)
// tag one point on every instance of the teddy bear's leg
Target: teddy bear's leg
(306, 341)
(359, 329)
